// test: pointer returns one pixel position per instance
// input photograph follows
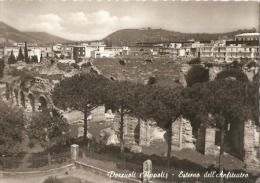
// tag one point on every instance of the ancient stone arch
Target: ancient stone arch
(43, 104)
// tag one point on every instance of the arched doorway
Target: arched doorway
(43, 103)
(32, 101)
(22, 99)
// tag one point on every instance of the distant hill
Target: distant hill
(9, 35)
(131, 36)
(46, 37)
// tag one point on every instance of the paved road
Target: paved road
(81, 175)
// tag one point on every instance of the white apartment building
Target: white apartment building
(229, 53)
(247, 37)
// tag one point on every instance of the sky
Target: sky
(92, 20)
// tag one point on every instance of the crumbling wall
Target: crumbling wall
(205, 142)
(200, 142)
(182, 75)
(182, 134)
(210, 136)
(236, 137)
(136, 131)
(98, 114)
(251, 145)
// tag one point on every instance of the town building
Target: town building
(249, 39)
(84, 50)
(32, 51)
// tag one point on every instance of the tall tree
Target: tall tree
(11, 59)
(122, 98)
(235, 73)
(26, 57)
(48, 129)
(12, 123)
(218, 104)
(165, 106)
(81, 92)
(197, 74)
(20, 55)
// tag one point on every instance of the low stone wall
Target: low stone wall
(5, 174)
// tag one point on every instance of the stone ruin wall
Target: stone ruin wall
(139, 132)
(213, 71)
(182, 135)
(29, 95)
(136, 131)
(251, 145)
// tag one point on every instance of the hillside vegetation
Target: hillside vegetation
(131, 36)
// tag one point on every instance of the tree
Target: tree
(2, 66)
(12, 123)
(11, 59)
(236, 73)
(122, 98)
(20, 55)
(52, 180)
(165, 106)
(48, 129)
(26, 57)
(197, 74)
(218, 104)
(83, 92)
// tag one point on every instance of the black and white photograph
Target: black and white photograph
(136, 91)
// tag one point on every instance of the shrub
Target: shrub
(88, 64)
(197, 74)
(251, 64)
(195, 61)
(76, 66)
(52, 180)
(151, 80)
(236, 73)
(208, 65)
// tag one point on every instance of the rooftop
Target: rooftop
(248, 34)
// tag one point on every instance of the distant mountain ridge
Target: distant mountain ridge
(131, 36)
(9, 35)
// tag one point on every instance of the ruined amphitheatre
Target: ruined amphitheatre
(29, 87)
